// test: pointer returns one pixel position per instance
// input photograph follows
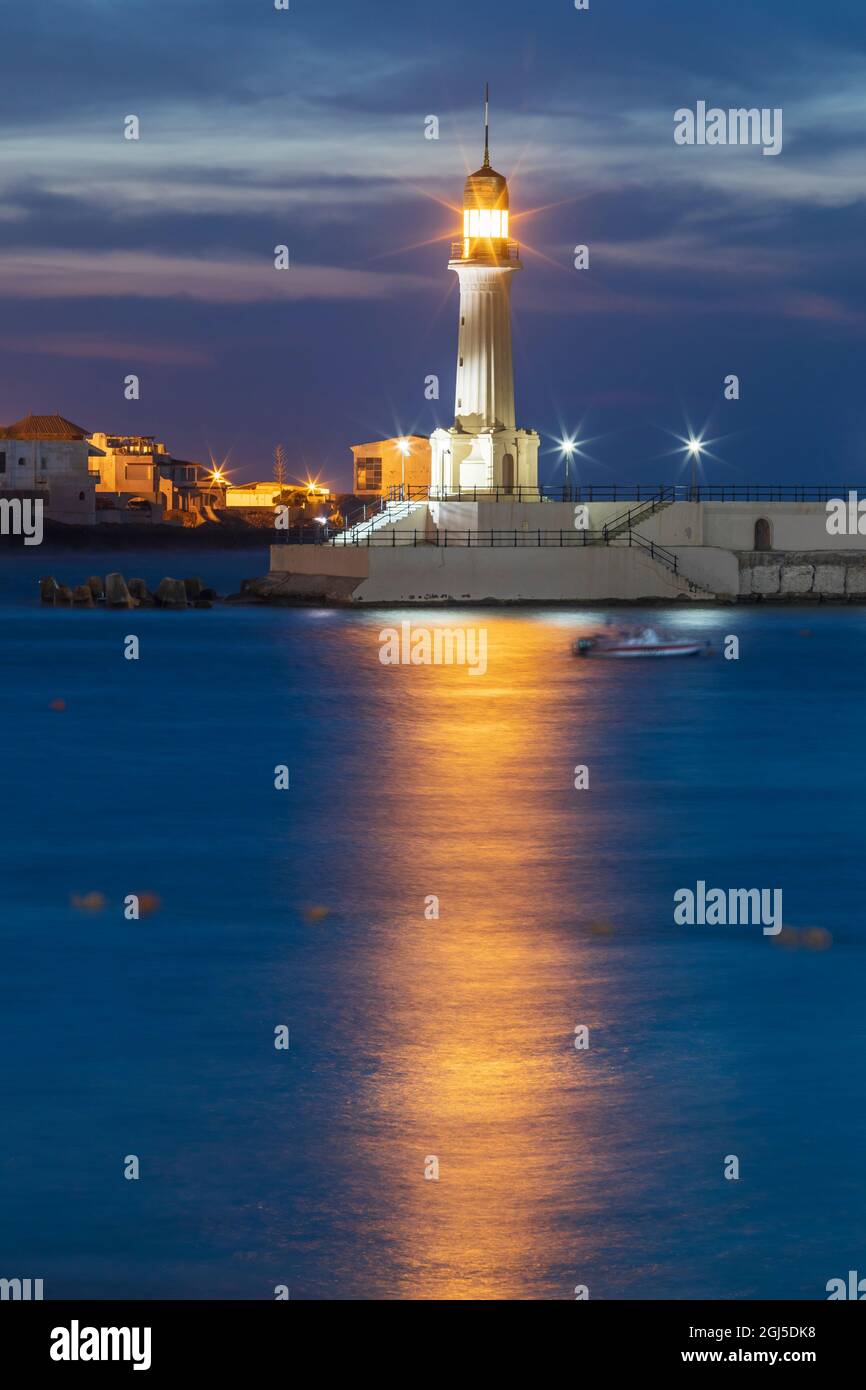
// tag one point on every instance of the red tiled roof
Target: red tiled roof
(43, 427)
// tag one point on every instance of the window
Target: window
(21, 463)
(368, 475)
(484, 222)
(2, 463)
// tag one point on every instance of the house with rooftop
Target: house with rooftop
(47, 457)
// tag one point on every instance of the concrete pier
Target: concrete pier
(532, 552)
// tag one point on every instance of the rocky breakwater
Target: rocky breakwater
(114, 592)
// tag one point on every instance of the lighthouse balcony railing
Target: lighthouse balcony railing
(481, 248)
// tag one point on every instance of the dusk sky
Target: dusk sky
(306, 127)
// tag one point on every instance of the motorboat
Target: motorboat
(646, 642)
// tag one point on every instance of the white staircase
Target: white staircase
(391, 514)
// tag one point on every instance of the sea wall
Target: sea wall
(482, 574)
(802, 576)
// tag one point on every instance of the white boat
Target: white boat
(643, 644)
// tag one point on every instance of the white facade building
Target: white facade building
(46, 457)
(484, 451)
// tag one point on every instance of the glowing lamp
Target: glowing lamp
(485, 206)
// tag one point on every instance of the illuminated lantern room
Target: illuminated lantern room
(485, 205)
(485, 209)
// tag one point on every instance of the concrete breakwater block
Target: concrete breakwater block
(140, 592)
(171, 593)
(117, 595)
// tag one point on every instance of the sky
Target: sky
(306, 128)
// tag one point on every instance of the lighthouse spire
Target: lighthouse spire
(487, 125)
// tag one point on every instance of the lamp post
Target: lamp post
(403, 446)
(695, 449)
(567, 448)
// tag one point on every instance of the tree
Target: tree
(280, 466)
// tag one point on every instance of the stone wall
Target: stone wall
(807, 576)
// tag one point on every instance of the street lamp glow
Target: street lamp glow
(568, 448)
(695, 446)
(405, 451)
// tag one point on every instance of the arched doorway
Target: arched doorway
(508, 472)
(763, 535)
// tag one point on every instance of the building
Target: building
(484, 451)
(306, 502)
(387, 466)
(126, 469)
(193, 491)
(138, 479)
(252, 495)
(47, 457)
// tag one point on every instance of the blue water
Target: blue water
(411, 1037)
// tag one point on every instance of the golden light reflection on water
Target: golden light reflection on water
(479, 1068)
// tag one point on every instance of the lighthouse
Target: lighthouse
(484, 453)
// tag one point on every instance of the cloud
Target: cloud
(61, 274)
(85, 345)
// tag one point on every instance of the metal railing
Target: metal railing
(390, 512)
(627, 520)
(369, 510)
(512, 539)
(634, 492)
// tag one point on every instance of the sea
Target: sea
(406, 1012)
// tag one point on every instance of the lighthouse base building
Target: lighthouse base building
(489, 461)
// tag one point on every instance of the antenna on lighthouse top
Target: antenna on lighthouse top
(487, 125)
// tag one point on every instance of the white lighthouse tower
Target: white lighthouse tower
(484, 453)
